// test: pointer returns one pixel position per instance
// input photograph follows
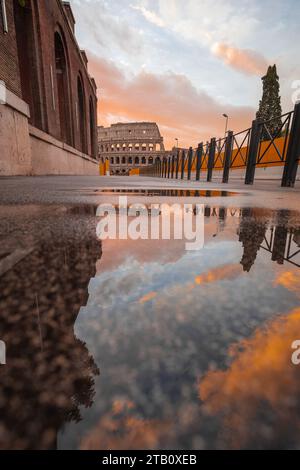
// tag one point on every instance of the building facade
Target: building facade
(130, 145)
(48, 118)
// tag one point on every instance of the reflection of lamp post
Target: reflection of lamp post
(226, 125)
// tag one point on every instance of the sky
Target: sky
(183, 63)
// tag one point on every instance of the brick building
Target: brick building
(48, 117)
(130, 145)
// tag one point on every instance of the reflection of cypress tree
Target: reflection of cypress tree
(251, 234)
(49, 372)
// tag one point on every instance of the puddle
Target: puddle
(166, 192)
(141, 344)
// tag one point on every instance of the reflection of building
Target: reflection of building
(48, 122)
(49, 373)
(130, 145)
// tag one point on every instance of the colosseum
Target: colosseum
(130, 145)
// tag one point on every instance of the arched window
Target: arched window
(112, 160)
(157, 159)
(137, 147)
(136, 161)
(93, 136)
(118, 160)
(130, 160)
(123, 160)
(143, 161)
(62, 83)
(81, 115)
(150, 160)
(28, 56)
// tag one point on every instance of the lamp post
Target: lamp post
(176, 141)
(226, 125)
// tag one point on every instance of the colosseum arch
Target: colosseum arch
(137, 160)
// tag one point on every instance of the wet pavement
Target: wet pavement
(139, 343)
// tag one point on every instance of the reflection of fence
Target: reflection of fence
(280, 242)
(258, 146)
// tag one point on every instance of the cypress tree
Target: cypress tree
(270, 104)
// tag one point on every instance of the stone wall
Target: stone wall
(15, 151)
(52, 157)
(47, 87)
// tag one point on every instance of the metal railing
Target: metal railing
(269, 143)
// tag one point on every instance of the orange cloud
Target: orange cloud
(147, 297)
(169, 99)
(243, 60)
(228, 271)
(121, 429)
(261, 374)
(290, 280)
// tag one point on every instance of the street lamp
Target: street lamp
(226, 125)
(177, 141)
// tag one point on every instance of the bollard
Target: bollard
(253, 149)
(227, 156)
(211, 159)
(182, 164)
(199, 161)
(190, 160)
